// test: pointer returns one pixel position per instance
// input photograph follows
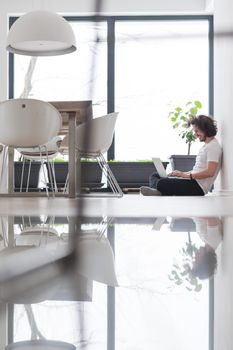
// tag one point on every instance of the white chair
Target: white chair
(28, 123)
(93, 139)
(34, 154)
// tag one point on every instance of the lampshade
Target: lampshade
(41, 33)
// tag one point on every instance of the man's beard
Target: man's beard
(203, 139)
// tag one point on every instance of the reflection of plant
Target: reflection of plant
(183, 274)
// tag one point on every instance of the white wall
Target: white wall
(209, 6)
(223, 291)
(223, 83)
(80, 7)
(109, 6)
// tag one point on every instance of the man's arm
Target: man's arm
(208, 172)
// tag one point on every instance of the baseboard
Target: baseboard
(221, 193)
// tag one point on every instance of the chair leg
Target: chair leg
(49, 170)
(110, 176)
(65, 190)
(110, 180)
(54, 176)
(41, 160)
(104, 224)
(51, 180)
(22, 176)
(29, 173)
(4, 152)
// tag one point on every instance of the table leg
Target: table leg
(72, 156)
(3, 325)
(10, 169)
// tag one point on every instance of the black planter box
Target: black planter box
(34, 175)
(91, 174)
(133, 174)
(182, 225)
(182, 162)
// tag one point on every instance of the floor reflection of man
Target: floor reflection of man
(205, 259)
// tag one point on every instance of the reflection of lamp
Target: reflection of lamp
(41, 33)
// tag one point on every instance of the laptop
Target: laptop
(161, 170)
(159, 167)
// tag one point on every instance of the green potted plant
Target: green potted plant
(179, 118)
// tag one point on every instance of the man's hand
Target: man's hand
(179, 173)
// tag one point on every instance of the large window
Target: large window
(78, 76)
(141, 67)
(159, 65)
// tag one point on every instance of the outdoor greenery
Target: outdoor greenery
(179, 118)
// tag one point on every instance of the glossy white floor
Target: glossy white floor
(133, 286)
(132, 205)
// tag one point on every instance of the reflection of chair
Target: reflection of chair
(37, 236)
(28, 123)
(40, 234)
(30, 235)
(96, 259)
(93, 139)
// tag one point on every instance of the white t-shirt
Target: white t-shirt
(212, 235)
(210, 152)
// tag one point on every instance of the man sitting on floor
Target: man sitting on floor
(200, 179)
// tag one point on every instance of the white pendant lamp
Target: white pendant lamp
(41, 33)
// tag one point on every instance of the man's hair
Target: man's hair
(206, 266)
(205, 123)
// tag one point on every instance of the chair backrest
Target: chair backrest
(28, 122)
(96, 259)
(96, 135)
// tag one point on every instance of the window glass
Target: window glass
(81, 75)
(153, 311)
(159, 65)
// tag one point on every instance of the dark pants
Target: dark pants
(175, 187)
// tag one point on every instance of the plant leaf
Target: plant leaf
(198, 104)
(193, 110)
(198, 288)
